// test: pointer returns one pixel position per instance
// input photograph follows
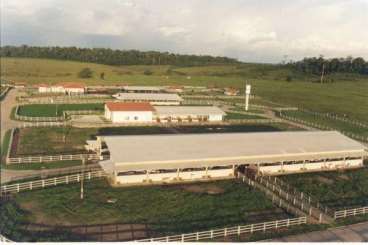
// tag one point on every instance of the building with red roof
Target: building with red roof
(127, 112)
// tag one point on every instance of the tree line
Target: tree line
(113, 57)
(320, 65)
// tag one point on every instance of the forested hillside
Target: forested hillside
(321, 65)
(113, 57)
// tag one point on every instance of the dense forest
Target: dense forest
(113, 57)
(321, 65)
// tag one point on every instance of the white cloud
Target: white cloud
(251, 30)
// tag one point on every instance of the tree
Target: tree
(85, 73)
(147, 72)
(102, 75)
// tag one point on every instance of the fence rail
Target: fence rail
(37, 184)
(323, 127)
(54, 119)
(351, 212)
(230, 231)
(336, 117)
(54, 158)
(272, 189)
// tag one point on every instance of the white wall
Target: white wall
(318, 166)
(74, 90)
(215, 117)
(174, 177)
(44, 89)
(130, 116)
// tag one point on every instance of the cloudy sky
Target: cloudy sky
(249, 30)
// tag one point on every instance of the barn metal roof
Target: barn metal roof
(148, 97)
(142, 88)
(193, 150)
(188, 110)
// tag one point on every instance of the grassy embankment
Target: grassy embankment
(347, 95)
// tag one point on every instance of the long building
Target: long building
(153, 98)
(144, 112)
(157, 159)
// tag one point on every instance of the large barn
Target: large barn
(150, 159)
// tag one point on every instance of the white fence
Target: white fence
(336, 117)
(55, 158)
(54, 119)
(323, 127)
(36, 119)
(230, 231)
(351, 212)
(37, 184)
(42, 124)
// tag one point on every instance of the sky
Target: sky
(268, 31)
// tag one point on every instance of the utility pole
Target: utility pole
(323, 72)
(247, 94)
(82, 179)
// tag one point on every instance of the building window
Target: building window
(136, 118)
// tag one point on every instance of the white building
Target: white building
(188, 113)
(62, 88)
(129, 112)
(153, 98)
(142, 89)
(157, 159)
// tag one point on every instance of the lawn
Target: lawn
(49, 141)
(165, 209)
(52, 110)
(37, 141)
(39, 166)
(338, 190)
(231, 115)
(347, 95)
(325, 121)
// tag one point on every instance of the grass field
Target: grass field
(337, 190)
(336, 124)
(36, 141)
(230, 115)
(348, 95)
(52, 110)
(38, 166)
(171, 209)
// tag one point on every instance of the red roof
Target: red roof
(122, 106)
(71, 85)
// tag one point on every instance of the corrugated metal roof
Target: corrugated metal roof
(148, 96)
(188, 110)
(142, 88)
(126, 106)
(189, 150)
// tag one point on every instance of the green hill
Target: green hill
(348, 94)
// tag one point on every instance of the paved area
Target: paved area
(351, 233)
(6, 107)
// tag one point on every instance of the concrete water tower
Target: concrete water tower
(247, 94)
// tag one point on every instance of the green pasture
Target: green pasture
(347, 95)
(52, 110)
(337, 190)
